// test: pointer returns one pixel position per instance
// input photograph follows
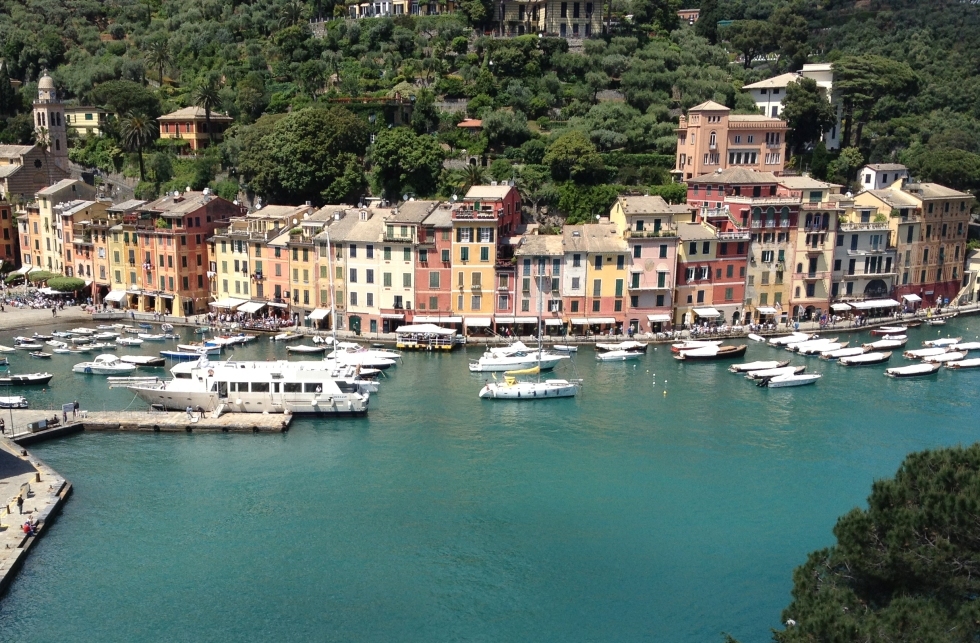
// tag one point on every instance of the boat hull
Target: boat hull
(548, 389)
(305, 404)
(546, 364)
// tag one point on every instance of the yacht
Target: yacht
(774, 372)
(514, 357)
(104, 365)
(618, 355)
(344, 349)
(245, 387)
(513, 388)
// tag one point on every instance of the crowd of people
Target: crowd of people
(35, 300)
(245, 320)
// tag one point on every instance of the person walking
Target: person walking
(20, 504)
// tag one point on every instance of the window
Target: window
(445, 256)
(407, 280)
(767, 256)
(596, 287)
(576, 260)
(598, 263)
(564, 10)
(525, 305)
(700, 296)
(503, 302)
(706, 247)
(368, 299)
(434, 280)
(574, 307)
(637, 251)
(369, 276)
(595, 305)
(433, 303)
(464, 235)
(353, 299)
(476, 302)
(576, 283)
(484, 254)
(464, 254)
(387, 253)
(620, 262)
(663, 251)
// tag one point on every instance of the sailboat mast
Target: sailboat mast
(333, 304)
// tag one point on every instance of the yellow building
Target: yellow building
(122, 250)
(46, 224)
(86, 121)
(474, 255)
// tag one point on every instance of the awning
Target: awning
(840, 307)
(506, 319)
(477, 322)
(553, 322)
(911, 298)
(658, 318)
(23, 270)
(317, 314)
(115, 295)
(766, 310)
(875, 303)
(251, 307)
(228, 302)
(602, 320)
(427, 329)
(436, 319)
(134, 291)
(579, 321)
(277, 305)
(636, 269)
(706, 312)
(392, 315)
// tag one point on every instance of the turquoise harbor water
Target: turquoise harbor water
(620, 515)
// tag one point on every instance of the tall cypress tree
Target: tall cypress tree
(8, 99)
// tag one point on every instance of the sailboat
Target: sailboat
(513, 388)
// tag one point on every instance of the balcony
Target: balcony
(650, 234)
(859, 226)
(467, 214)
(811, 276)
(394, 237)
(734, 236)
(869, 275)
(649, 287)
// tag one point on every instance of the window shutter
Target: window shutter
(491, 235)
(459, 235)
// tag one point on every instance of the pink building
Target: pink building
(505, 202)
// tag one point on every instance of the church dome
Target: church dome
(45, 82)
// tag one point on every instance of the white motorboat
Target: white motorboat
(756, 338)
(843, 352)
(818, 342)
(756, 366)
(820, 349)
(151, 337)
(63, 334)
(936, 322)
(565, 348)
(54, 343)
(513, 388)
(250, 388)
(964, 363)
(351, 348)
(711, 353)
(167, 328)
(13, 402)
(693, 344)
(623, 346)
(198, 347)
(99, 346)
(951, 356)
(286, 337)
(40, 355)
(774, 372)
(942, 341)
(364, 376)
(129, 341)
(7, 349)
(889, 342)
(919, 353)
(514, 357)
(105, 336)
(104, 365)
(966, 346)
(29, 346)
(25, 379)
(915, 370)
(305, 349)
(785, 381)
(866, 359)
(792, 338)
(82, 331)
(618, 355)
(889, 330)
(362, 359)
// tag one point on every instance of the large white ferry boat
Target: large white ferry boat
(257, 387)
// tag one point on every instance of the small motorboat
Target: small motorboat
(143, 360)
(129, 341)
(915, 370)
(286, 337)
(29, 346)
(167, 328)
(867, 359)
(889, 330)
(40, 355)
(54, 343)
(4, 362)
(919, 353)
(82, 331)
(63, 334)
(25, 379)
(7, 349)
(145, 326)
(712, 353)
(69, 351)
(785, 381)
(966, 346)
(181, 356)
(942, 341)
(13, 402)
(820, 341)
(100, 346)
(693, 344)
(889, 342)
(619, 355)
(303, 348)
(843, 352)
(565, 348)
(964, 363)
(951, 356)
(104, 336)
(129, 330)
(822, 348)
(197, 347)
(623, 346)
(792, 338)
(151, 337)
(513, 388)
(104, 365)
(774, 372)
(913, 324)
(936, 322)
(756, 366)
(756, 338)
(203, 330)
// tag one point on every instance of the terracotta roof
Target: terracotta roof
(737, 175)
(470, 122)
(756, 118)
(194, 112)
(709, 106)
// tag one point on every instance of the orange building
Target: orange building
(191, 124)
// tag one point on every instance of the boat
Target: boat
(25, 379)
(820, 341)
(198, 347)
(514, 357)
(69, 351)
(352, 348)
(935, 322)
(866, 359)
(129, 341)
(143, 360)
(784, 381)
(756, 338)
(951, 356)
(565, 348)
(774, 372)
(129, 330)
(145, 325)
(305, 348)
(914, 370)
(181, 356)
(203, 330)
(819, 349)
(843, 352)
(913, 324)
(167, 328)
(235, 387)
(889, 342)
(889, 330)
(692, 344)
(942, 341)
(623, 346)
(40, 355)
(41, 338)
(712, 352)
(83, 339)
(966, 346)
(618, 356)
(4, 361)
(104, 365)
(513, 388)
(756, 366)
(7, 349)
(792, 338)
(964, 363)
(54, 343)
(82, 331)
(13, 402)
(919, 353)
(28, 346)
(286, 337)
(150, 337)
(63, 334)
(105, 336)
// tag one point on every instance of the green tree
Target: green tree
(425, 116)
(159, 56)
(8, 98)
(534, 185)
(707, 24)
(904, 569)
(504, 128)
(659, 14)
(751, 38)
(573, 156)
(864, 81)
(312, 154)
(951, 167)
(819, 161)
(583, 203)
(406, 162)
(137, 131)
(844, 167)
(790, 33)
(206, 95)
(807, 112)
(122, 96)
(66, 284)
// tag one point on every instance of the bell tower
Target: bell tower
(49, 120)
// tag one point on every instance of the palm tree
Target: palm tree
(159, 56)
(292, 13)
(206, 96)
(472, 175)
(138, 130)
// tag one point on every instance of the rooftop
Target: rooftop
(183, 203)
(279, 211)
(695, 232)
(886, 167)
(805, 183)
(126, 206)
(11, 151)
(536, 245)
(71, 207)
(709, 106)
(194, 112)
(593, 238)
(441, 217)
(781, 80)
(757, 118)
(470, 123)
(894, 198)
(737, 176)
(488, 192)
(650, 205)
(934, 191)
(51, 190)
(413, 211)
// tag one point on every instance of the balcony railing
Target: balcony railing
(650, 234)
(869, 225)
(869, 275)
(811, 276)
(734, 236)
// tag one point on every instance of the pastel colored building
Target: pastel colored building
(537, 285)
(86, 120)
(770, 93)
(880, 176)
(191, 124)
(433, 273)
(9, 242)
(597, 278)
